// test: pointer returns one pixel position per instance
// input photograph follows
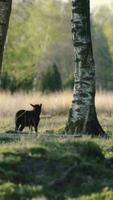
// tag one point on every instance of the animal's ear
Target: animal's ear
(41, 105)
(32, 105)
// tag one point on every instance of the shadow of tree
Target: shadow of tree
(40, 172)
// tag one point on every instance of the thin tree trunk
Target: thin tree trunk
(5, 10)
(82, 117)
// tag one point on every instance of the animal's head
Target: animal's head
(37, 107)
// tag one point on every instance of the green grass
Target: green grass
(28, 167)
(31, 169)
(53, 123)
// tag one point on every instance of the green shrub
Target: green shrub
(8, 82)
(25, 84)
(51, 80)
(69, 82)
(11, 83)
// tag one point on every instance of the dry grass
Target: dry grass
(53, 104)
(57, 103)
(104, 102)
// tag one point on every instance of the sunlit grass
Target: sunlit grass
(53, 103)
(104, 102)
(55, 108)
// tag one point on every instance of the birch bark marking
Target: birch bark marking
(82, 116)
(5, 10)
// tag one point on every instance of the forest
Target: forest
(39, 37)
(56, 100)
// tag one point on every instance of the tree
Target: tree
(82, 116)
(51, 80)
(27, 45)
(5, 10)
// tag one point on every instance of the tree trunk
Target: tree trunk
(82, 116)
(5, 10)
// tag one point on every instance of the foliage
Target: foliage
(36, 27)
(40, 35)
(51, 80)
(102, 28)
(69, 82)
(10, 82)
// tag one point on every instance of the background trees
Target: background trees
(42, 37)
(51, 80)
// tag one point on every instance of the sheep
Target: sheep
(28, 118)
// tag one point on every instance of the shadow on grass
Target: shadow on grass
(40, 172)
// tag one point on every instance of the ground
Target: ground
(57, 168)
(51, 167)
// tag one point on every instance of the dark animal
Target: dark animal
(29, 118)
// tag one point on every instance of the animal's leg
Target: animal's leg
(21, 128)
(36, 128)
(17, 126)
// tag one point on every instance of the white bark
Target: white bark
(82, 117)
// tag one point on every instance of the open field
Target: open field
(55, 168)
(53, 103)
(56, 106)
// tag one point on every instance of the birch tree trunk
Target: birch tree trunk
(5, 10)
(82, 117)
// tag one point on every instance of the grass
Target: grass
(58, 102)
(29, 168)
(55, 105)
(35, 169)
